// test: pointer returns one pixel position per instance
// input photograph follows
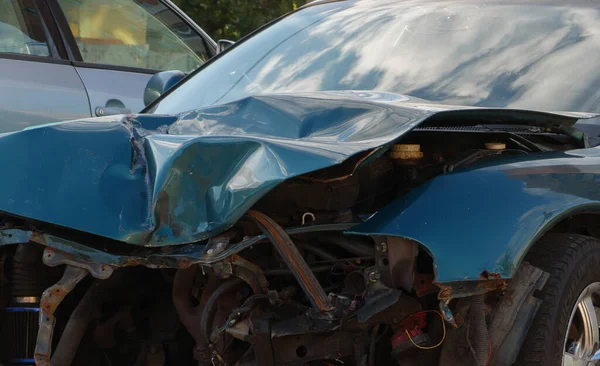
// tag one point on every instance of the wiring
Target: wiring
(443, 327)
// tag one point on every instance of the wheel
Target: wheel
(565, 330)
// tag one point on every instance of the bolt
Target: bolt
(220, 245)
(232, 322)
(210, 252)
(374, 276)
(382, 247)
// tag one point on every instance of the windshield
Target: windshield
(478, 54)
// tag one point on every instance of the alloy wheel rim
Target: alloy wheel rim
(582, 339)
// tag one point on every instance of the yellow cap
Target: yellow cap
(495, 145)
(406, 152)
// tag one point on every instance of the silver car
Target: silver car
(68, 59)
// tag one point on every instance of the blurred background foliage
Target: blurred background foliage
(233, 19)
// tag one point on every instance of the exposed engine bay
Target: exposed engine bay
(284, 286)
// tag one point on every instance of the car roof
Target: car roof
(562, 3)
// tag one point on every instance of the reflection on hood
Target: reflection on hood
(505, 55)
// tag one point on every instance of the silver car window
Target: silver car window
(142, 34)
(20, 27)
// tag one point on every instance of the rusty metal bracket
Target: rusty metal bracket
(51, 298)
(53, 258)
(294, 260)
(455, 290)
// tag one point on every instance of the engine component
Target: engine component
(495, 145)
(87, 309)
(210, 308)
(290, 254)
(20, 318)
(408, 334)
(406, 153)
(18, 336)
(188, 312)
(354, 283)
(27, 275)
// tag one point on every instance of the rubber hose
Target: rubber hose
(25, 274)
(319, 252)
(478, 335)
(210, 308)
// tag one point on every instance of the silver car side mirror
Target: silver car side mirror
(160, 83)
(224, 44)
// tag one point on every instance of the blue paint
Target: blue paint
(23, 360)
(155, 180)
(161, 180)
(488, 217)
(20, 310)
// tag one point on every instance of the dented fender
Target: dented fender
(484, 220)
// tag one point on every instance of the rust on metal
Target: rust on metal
(53, 258)
(485, 275)
(459, 289)
(292, 257)
(51, 298)
(37, 237)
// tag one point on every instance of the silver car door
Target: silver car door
(120, 44)
(37, 86)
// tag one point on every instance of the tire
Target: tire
(573, 262)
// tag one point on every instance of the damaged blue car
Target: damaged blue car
(363, 182)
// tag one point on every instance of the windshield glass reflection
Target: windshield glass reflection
(478, 54)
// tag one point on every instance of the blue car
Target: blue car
(71, 59)
(360, 182)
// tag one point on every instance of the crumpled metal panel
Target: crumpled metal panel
(160, 180)
(486, 218)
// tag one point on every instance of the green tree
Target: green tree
(233, 19)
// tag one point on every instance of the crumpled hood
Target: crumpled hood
(159, 180)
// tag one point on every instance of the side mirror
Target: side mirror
(160, 83)
(224, 44)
